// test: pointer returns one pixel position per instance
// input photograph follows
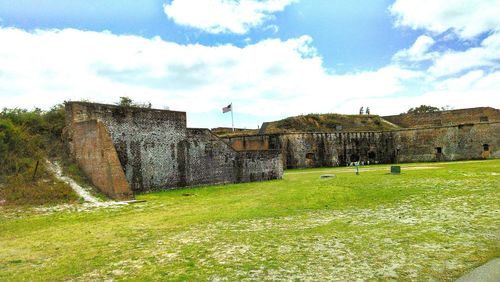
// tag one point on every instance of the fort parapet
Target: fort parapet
(445, 118)
(141, 150)
(458, 140)
(124, 150)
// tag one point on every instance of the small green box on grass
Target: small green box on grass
(395, 169)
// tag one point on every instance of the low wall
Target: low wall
(259, 165)
(208, 159)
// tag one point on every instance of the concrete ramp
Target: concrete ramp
(489, 272)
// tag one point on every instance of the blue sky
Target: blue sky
(271, 58)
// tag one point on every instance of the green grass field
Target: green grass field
(435, 221)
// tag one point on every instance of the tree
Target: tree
(422, 109)
(127, 102)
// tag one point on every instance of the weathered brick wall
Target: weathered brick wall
(302, 150)
(253, 142)
(259, 165)
(208, 159)
(461, 142)
(147, 141)
(443, 118)
(336, 149)
(95, 153)
(157, 151)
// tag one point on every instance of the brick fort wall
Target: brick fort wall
(156, 150)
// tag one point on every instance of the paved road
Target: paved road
(489, 272)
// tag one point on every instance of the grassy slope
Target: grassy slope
(433, 223)
(328, 123)
(25, 138)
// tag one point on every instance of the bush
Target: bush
(126, 102)
(18, 149)
(422, 109)
(28, 137)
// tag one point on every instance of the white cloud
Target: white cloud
(473, 89)
(487, 55)
(418, 51)
(223, 16)
(269, 79)
(467, 18)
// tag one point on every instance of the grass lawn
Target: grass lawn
(435, 221)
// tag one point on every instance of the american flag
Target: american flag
(228, 108)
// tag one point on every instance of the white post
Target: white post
(232, 118)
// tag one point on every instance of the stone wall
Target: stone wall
(259, 165)
(147, 141)
(336, 149)
(208, 159)
(448, 143)
(157, 151)
(303, 150)
(300, 150)
(445, 118)
(253, 142)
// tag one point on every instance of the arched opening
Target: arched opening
(486, 147)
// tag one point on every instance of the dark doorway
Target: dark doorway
(439, 150)
(310, 160)
(486, 147)
(371, 155)
(354, 158)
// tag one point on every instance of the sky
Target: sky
(270, 58)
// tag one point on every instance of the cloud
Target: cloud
(487, 55)
(467, 18)
(268, 79)
(223, 16)
(465, 78)
(473, 89)
(418, 51)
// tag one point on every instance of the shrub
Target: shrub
(28, 137)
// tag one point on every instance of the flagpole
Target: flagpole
(232, 118)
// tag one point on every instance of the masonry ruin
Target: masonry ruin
(124, 150)
(465, 134)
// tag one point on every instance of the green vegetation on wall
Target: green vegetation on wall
(423, 109)
(330, 123)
